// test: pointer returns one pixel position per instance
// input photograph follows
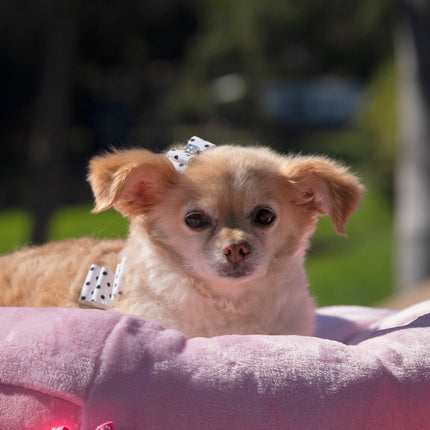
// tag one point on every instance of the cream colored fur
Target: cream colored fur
(239, 266)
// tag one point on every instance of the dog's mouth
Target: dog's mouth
(235, 270)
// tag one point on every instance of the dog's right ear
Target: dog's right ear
(131, 181)
(325, 188)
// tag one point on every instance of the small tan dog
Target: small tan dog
(213, 249)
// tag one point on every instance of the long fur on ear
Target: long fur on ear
(326, 188)
(130, 180)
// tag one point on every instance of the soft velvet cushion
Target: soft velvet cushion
(364, 369)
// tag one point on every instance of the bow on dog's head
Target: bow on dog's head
(181, 157)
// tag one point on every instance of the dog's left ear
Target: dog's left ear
(325, 188)
(131, 181)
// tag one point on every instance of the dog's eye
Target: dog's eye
(264, 217)
(197, 220)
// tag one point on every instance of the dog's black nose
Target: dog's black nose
(236, 252)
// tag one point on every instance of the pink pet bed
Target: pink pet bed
(364, 369)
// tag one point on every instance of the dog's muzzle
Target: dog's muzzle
(235, 270)
(236, 260)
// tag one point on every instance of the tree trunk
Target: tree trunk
(413, 170)
(51, 118)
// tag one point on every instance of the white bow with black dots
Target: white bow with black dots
(102, 286)
(180, 158)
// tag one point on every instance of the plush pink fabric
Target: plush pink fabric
(364, 369)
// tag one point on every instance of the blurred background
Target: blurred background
(346, 79)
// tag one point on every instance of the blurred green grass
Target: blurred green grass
(77, 221)
(68, 222)
(15, 228)
(356, 270)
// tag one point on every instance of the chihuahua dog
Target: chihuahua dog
(216, 245)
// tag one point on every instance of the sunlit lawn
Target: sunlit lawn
(354, 270)
(357, 269)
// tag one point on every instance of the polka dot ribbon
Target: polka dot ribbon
(180, 158)
(105, 426)
(102, 286)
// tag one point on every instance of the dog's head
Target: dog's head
(233, 212)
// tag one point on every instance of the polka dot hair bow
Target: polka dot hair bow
(181, 158)
(102, 286)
